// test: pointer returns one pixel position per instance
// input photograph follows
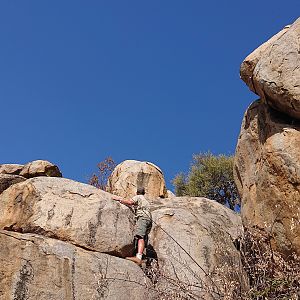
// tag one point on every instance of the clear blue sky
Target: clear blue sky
(145, 80)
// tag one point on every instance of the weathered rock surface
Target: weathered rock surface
(6, 180)
(31, 169)
(12, 169)
(131, 174)
(69, 211)
(267, 174)
(38, 268)
(40, 168)
(276, 76)
(207, 231)
(250, 62)
(43, 216)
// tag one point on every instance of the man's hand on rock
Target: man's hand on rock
(123, 200)
(117, 198)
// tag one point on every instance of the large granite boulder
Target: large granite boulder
(131, 174)
(250, 62)
(276, 76)
(38, 268)
(6, 180)
(267, 174)
(12, 169)
(40, 168)
(194, 240)
(67, 210)
(14, 173)
(32, 169)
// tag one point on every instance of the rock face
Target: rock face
(267, 162)
(250, 62)
(194, 241)
(14, 173)
(40, 168)
(67, 234)
(6, 180)
(38, 268)
(31, 169)
(69, 211)
(131, 174)
(12, 169)
(276, 75)
(267, 174)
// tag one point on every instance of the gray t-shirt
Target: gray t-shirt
(142, 206)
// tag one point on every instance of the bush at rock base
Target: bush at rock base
(210, 176)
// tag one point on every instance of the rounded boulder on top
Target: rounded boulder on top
(131, 174)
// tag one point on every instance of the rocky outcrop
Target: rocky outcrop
(40, 168)
(73, 236)
(14, 173)
(69, 211)
(267, 173)
(194, 239)
(273, 71)
(38, 268)
(31, 169)
(267, 161)
(9, 175)
(131, 174)
(12, 169)
(6, 180)
(250, 62)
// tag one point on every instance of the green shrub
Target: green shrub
(209, 176)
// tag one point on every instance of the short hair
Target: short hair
(140, 191)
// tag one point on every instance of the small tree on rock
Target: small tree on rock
(105, 168)
(209, 176)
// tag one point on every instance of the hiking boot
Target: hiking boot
(135, 259)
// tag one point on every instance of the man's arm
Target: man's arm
(123, 200)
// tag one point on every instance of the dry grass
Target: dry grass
(270, 275)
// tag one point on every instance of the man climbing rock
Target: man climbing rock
(143, 221)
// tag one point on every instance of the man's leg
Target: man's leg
(139, 235)
(143, 226)
(141, 247)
